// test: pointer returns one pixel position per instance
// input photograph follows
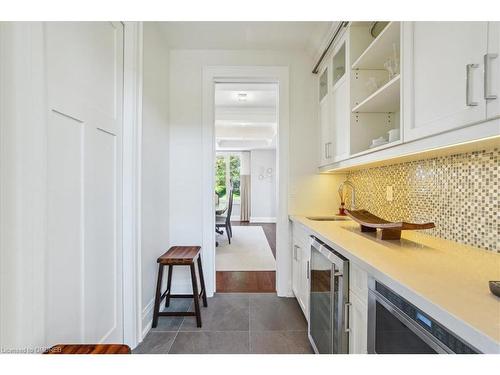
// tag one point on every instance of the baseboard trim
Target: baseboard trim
(147, 318)
(263, 219)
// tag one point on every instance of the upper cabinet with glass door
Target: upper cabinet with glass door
(338, 64)
(324, 116)
(339, 102)
(323, 84)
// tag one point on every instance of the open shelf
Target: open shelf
(375, 149)
(385, 99)
(380, 49)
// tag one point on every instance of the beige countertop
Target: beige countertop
(447, 280)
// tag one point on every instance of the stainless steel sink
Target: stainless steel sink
(328, 218)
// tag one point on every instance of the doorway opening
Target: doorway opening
(246, 132)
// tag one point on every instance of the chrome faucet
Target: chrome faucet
(353, 196)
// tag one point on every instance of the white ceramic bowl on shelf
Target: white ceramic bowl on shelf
(393, 135)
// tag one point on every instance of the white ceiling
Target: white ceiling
(255, 95)
(245, 35)
(248, 124)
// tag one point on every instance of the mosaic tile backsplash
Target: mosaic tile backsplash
(459, 193)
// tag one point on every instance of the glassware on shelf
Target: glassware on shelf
(393, 135)
(391, 64)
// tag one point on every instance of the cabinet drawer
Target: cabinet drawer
(358, 282)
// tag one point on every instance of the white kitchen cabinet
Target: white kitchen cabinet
(340, 122)
(444, 76)
(301, 255)
(340, 114)
(492, 71)
(447, 93)
(358, 310)
(358, 281)
(334, 112)
(304, 279)
(296, 250)
(325, 116)
(326, 131)
(358, 323)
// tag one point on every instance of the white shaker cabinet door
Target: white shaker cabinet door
(340, 121)
(296, 249)
(304, 287)
(492, 71)
(325, 122)
(444, 69)
(358, 320)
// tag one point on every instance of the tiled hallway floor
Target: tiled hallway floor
(232, 323)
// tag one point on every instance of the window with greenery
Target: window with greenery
(227, 169)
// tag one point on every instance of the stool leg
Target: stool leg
(158, 296)
(202, 282)
(196, 296)
(169, 285)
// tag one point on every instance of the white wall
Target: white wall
(309, 192)
(263, 191)
(155, 165)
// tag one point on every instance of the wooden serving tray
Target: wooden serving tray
(390, 230)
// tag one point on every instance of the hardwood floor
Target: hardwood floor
(250, 281)
(246, 281)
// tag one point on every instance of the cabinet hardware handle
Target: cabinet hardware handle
(347, 317)
(468, 89)
(307, 270)
(295, 248)
(487, 58)
(326, 152)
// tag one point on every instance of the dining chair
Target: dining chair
(225, 221)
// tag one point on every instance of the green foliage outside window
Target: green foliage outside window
(221, 188)
(220, 176)
(234, 171)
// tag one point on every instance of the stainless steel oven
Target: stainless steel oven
(329, 300)
(395, 326)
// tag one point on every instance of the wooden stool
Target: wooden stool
(180, 256)
(89, 349)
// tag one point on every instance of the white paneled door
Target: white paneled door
(84, 263)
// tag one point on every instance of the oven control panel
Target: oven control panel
(443, 335)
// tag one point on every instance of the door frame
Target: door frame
(132, 161)
(261, 74)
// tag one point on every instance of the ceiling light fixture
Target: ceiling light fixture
(242, 96)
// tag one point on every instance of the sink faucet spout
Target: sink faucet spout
(353, 194)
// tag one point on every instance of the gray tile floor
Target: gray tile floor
(232, 323)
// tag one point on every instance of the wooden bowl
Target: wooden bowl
(495, 288)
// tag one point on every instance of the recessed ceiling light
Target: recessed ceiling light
(242, 96)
